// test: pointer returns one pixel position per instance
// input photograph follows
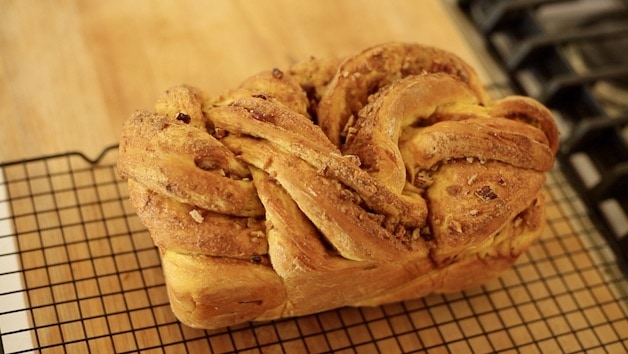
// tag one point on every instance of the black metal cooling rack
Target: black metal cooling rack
(79, 273)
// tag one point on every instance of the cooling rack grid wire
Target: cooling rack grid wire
(80, 273)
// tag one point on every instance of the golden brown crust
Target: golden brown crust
(314, 75)
(211, 234)
(211, 292)
(361, 75)
(383, 177)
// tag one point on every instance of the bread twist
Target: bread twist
(383, 177)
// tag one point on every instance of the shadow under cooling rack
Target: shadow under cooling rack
(80, 273)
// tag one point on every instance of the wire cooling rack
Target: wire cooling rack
(80, 273)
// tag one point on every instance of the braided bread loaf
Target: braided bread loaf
(383, 177)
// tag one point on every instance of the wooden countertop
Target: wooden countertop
(72, 71)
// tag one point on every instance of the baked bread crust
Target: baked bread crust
(385, 176)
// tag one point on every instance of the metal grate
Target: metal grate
(80, 273)
(551, 50)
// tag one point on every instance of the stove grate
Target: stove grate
(544, 59)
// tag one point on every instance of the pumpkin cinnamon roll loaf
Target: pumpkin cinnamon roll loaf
(381, 177)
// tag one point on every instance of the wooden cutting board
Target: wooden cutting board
(72, 71)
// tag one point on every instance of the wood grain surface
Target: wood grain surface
(72, 71)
